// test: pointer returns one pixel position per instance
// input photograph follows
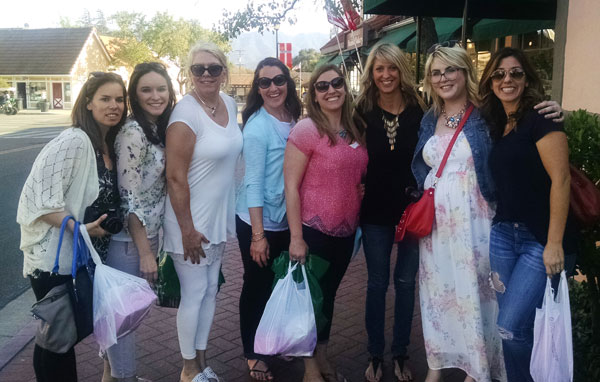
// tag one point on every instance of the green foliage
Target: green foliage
(586, 349)
(308, 58)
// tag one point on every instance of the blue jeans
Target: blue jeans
(378, 241)
(519, 278)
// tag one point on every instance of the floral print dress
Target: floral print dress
(458, 306)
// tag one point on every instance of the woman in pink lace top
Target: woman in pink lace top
(325, 161)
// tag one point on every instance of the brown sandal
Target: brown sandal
(257, 373)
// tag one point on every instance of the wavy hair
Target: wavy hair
(83, 118)
(255, 100)
(137, 111)
(367, 98)
(314, 112)
(451, 56)
(491, 107)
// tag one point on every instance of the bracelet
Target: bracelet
(257, 237)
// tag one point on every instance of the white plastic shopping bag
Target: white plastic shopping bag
(121, 300)
(287, 326)
(552, 356)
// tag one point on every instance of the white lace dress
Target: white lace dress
(458, 307)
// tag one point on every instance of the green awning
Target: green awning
(398, 36)
(338, 59)
(488, 29)
(324, 59)
(445, 28)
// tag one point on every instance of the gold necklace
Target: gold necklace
(213, 109)
(391, 127)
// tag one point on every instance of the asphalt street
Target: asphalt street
(21, 138)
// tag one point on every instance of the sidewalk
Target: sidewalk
(158, 356)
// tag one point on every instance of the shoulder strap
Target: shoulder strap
(449, 149)
(63, 226)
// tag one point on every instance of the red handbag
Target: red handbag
(585, 198)
(418, 217)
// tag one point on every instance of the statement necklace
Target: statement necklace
(213, 109)
(452, 121)
(391, 127)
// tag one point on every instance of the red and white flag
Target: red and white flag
(353, 19)
(285, 53)
(335, 19)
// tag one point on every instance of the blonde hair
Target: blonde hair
(314, 112)
(367, 99)
(457, 57)
(208, 47)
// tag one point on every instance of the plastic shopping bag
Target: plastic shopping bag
(287, 326)
(121, 301)
(552, 356)
(316, 267)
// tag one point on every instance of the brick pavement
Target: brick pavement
(158, 356)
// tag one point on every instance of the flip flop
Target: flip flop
(399, 362)
(375, 368)
(210, 374)
(265, 372)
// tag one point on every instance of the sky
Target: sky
(46, 13)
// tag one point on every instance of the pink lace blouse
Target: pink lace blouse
(329, 195)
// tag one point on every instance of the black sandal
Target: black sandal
(265, 373)
(376, 365)
(399, 361)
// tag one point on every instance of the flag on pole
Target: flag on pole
(353, 19)
(285, 53)
(335, 19)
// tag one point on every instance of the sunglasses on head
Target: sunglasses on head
(499, 74)
(265, 82)
(214, 70)
(323, 86)
(445, 44)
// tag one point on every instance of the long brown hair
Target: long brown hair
(314, 112)
(82, 118)
(491, 107)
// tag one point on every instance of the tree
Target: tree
(308, 58)
(265, 16)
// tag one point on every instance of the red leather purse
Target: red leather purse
(585, 198)
(418, 217)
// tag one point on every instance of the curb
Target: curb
(17, 343)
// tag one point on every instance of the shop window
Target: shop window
(67, 92)
(37, 91)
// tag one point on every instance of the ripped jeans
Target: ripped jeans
(519, 278)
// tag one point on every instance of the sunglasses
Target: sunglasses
(214, 70)
(265, 82)
(515, 73)
(445, 44)
(336, 83)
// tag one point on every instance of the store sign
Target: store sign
(355, 38)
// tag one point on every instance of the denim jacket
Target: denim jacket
(263, 156)
(477, 134)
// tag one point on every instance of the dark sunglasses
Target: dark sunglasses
(323, 86)
(499, 74)
(265, 82)
(445, 44)
(214, 70)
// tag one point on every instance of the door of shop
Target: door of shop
(57, 97)
(22, 93)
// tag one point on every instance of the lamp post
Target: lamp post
(276, 26)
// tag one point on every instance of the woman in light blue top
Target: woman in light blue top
(272, 109)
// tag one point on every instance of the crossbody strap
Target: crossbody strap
(463, 120)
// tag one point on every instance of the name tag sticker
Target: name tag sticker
(354, 145)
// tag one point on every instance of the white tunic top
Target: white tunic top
(210, 175)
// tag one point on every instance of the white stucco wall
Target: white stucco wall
(581, 86)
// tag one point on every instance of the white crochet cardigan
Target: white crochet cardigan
(64, 177)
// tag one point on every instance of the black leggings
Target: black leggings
(338, 251)
(50, 366)
(258, 282)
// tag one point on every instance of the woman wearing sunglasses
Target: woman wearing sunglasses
(531, 232)
(72, 172)
(325, 161)
(203, 142)
(139, 148)
(458, 307)
(391, 111)
(272, 109)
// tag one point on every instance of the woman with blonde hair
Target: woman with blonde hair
(391, 111)
(203, 143)
(325, 160)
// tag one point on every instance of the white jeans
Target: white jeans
(199, 284)
(124, 256)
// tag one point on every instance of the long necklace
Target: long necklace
(453, 120)
(213, 109)
(391, 127)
